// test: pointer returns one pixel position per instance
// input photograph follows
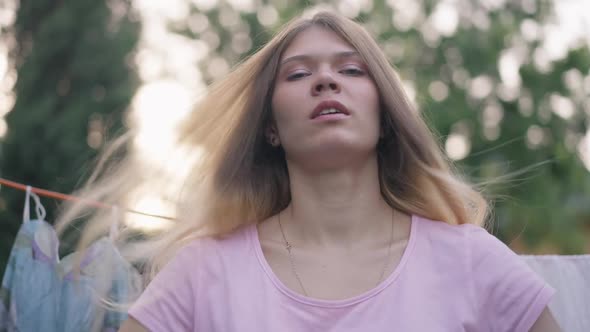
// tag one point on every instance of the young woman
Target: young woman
(322, 202)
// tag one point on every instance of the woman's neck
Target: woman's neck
(340, 208)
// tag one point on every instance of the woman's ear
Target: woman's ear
(272, 135)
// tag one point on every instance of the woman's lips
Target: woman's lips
(324, 105)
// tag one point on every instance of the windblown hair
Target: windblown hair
(238, 178)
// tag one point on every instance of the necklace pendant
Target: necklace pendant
(288, 246)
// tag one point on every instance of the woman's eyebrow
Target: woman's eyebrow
(307, 57)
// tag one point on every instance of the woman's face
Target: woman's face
(325, 104)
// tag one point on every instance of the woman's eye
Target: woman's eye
(296, 75)
(353, 71)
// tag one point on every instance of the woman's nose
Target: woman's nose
(325, 83)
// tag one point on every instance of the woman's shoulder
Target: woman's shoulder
(203, 257)
(437, 231)
(499, 280)
(440, 225)
(212, 248)
(472, 242)
(168, 303)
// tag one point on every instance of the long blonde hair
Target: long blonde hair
(238, 178)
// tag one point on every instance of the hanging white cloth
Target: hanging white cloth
(570, 276)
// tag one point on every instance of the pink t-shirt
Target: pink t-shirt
(450, 278)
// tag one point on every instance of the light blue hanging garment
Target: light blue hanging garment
(30, 289)
(40, 292)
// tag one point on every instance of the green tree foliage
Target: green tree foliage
(75, 79)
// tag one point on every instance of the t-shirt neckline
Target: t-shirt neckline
(255, 241)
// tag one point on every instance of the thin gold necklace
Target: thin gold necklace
(289, 247)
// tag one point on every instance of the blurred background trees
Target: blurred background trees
(505, 84)
(75, 77)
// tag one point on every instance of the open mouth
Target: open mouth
(329, 108)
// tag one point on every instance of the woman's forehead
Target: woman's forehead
(316, 41)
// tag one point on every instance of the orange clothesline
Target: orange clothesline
(64, 197)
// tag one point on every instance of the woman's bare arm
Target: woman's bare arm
(132, 325)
